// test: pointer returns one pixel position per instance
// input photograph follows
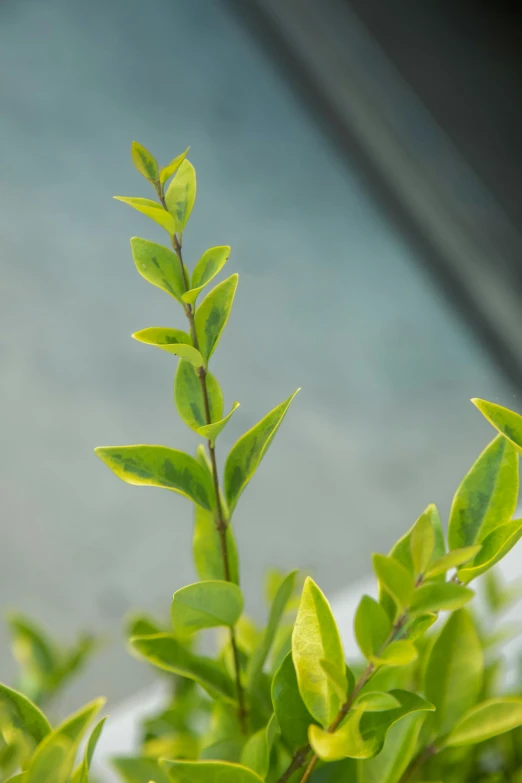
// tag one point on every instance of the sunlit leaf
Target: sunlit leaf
(398, 653)
(81, 773)
(171, 340)
(206, 605)
(152, 210)
(489, 719)
(494, 547)
(395, 579)
(452, 559)
(206, 547)
(376, 701)
(399, 748)
(256, 752)
(144, 162)
(208, 266)
(181, 195)
(422, 542)
(211, 431)
(213, 313)
(290, 710)
(372, 626)
(25, 715)
(167, 172)
(159, 266)
(208, 772)
(188, 396)
(440, 596)
(139, 769)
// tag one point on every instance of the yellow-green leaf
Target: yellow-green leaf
(181, 195)
(211, 431)
(487, 497)
(208, 266)
(188, 396)
(376, 701)
(209, 772)
(440, 596)
(144, 162)
(165, 651)
(290, 710)
(337, 677)
(167, 172)
(422, 542)
(315, 638)
(372, 626)
(399, 653)
(489, 719)
(81, 773)
(247, 453)
(494, 547)
(152, 210)
(257, 749)
(206, 605)
(454, 673)
(24, 715)
(213, 313)
(139, 769)
(159, 266)
(452, 559)
(171, 340)
(395, 579)
(206, 547)
(399, 749)
(159, 466)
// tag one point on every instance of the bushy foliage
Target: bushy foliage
(427, 700)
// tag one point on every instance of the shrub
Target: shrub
(426, 701)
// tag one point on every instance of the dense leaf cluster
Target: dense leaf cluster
(425, 702)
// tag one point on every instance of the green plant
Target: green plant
(280, 703)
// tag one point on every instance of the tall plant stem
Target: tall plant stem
(221, 521)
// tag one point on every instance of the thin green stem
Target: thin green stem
(418, 761)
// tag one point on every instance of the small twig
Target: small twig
(418, 761)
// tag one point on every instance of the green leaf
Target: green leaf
(159, 266)
(487, 496)
(337, 677)
(206, 547)
(208, 772)
(315, 638)
(25, 715)
(399, 653)
(372, 626)
(452, 559)
(140, 624)
(494, 547)
(395, 579)
(440, 596)
(507, 422)
(208, 266)
(256, 752)
(376, 701)
(290, 710)
(165, 651)
(188, 396)
(139, 769)
(213, 313)
(247, 453)
(489, 719)
(417, 627)
(32, 649)
(257, 660)
(455, 671)
(159, 466)
(211, 431)
(171, 340)
(81, 773)
(363, 733)
(144, 162)
(206, 605)
(422, 542)
(181, 195)
(152, 210)
(399, 749)
(167, 172)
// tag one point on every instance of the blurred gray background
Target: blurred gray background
(335, 296)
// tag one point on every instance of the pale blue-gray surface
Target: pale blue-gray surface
(330, 299)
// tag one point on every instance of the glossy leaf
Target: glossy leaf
(213, 313)
(167, 172)
(337, 678)
(454, 673)
(363, 734)
(144, 162)
(395, 579)
(208, 772)
(290, 710)
(159, 466)
(494, 547)
(152, 210)
(422, 542)
(159, 266)
(376, 701)
(399, 749)
(165, 651)
(25, 715)
(452, 559)
(440, 596)
(171, 340)
(181, 195)
(372, 626)
(315, 638)
(257, 660)
(81, 773)
(247, 453)
(256, 752)
(489, 719)
(139, 769)
(208, 266)
(487, 496)
(211, 431)
(188, 396)
(206, 547)
(417, 627)
(206, 605)
(399, 653)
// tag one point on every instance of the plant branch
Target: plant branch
(418, 761)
